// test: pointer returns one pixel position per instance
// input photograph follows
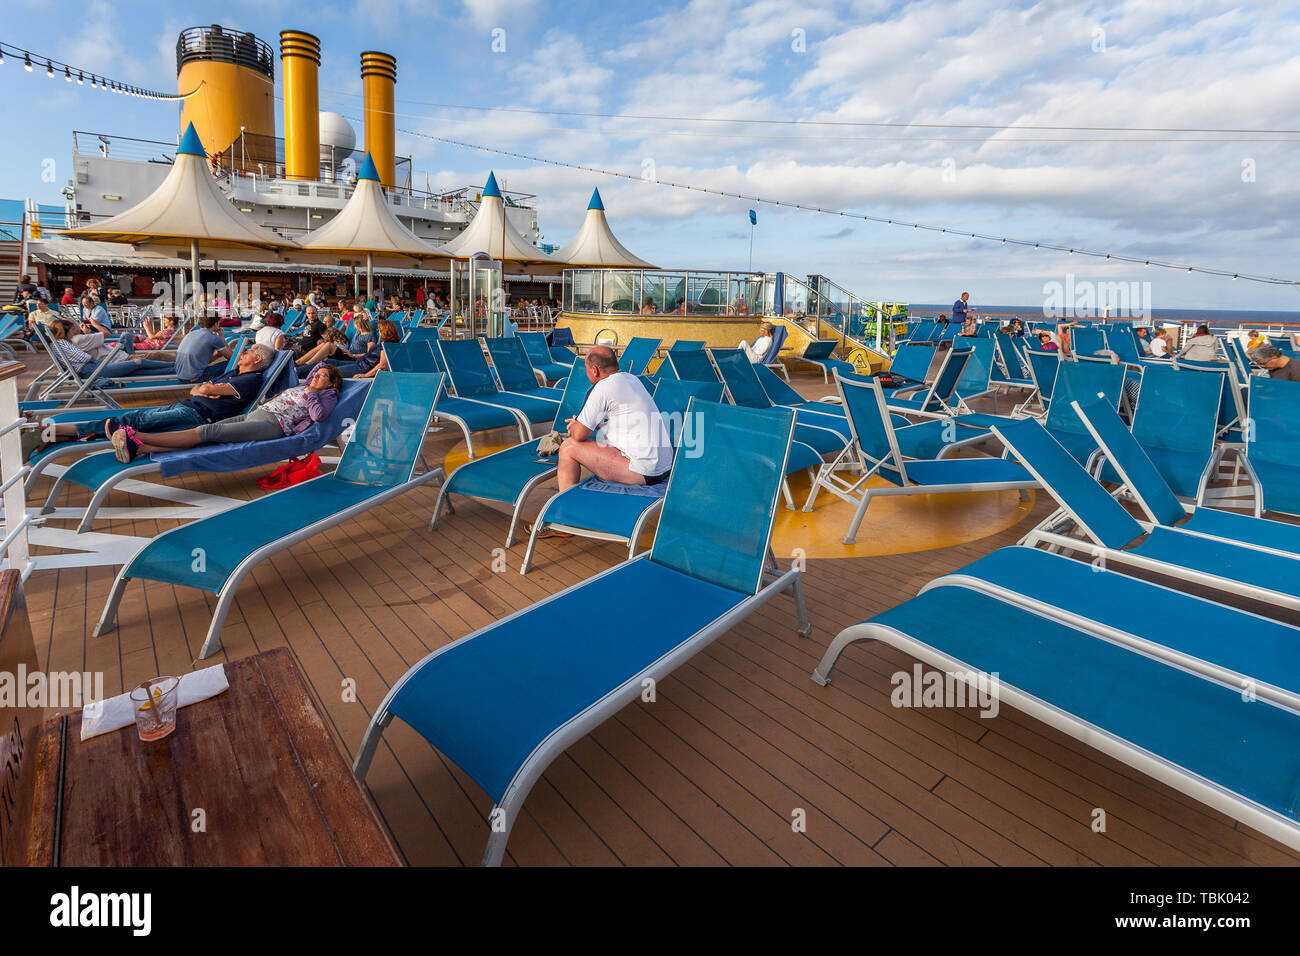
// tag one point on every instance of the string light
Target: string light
(80, 75)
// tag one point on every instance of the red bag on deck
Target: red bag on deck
(292, 472)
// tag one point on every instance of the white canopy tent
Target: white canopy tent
(595, 243)
(367, 224)
(490, 232)
(187, 207)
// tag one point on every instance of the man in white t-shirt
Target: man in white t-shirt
(632, 446)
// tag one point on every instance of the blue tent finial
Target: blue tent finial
(595, 200)
(368, 170)
(190, 145)
(491, 188)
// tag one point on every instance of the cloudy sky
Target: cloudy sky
(786, 101)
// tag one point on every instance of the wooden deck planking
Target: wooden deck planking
(708, 775)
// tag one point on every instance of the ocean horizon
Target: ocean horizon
(1210, 317)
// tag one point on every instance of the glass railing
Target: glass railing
(811, 305)
(868, 322)
(640, 292)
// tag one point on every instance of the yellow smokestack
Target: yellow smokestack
(300, 63)
(234, 75)
(378, 79)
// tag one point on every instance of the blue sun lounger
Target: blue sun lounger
(1183, 629)
(547, 366)
(687, 365)
(874, 451)
(508, 699)
(1042, 368)
(469, 373)
(772, 360)
(819, 353)
(1009, 368)
(977, 377)
(637, 355)
(515, 371)
(284, 376)
(215, 554)
(421, 355)
(510, 475)
(101, 472)
(912, 363)
(1204, 738)
(1273, 445)
(1080, 380)
(1232, 402)
(1111, 534)
(1175, 425)
(1144, 481)
(611, 512)
(937, 398)
(826, 431)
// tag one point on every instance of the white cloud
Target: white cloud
(486, 14)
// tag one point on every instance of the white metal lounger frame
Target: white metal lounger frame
(525, 431)
(539, 525)
(947, 409)
(865, 468)
(67, 384)
(525, 426)
(226, 597)
(1135, 642)
(444, 501)
(1092, 546)
(562, 737)
(1200, 788)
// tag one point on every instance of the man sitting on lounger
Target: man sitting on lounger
(631, 445)
(209, 402)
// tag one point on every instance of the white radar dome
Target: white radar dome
(337, 137)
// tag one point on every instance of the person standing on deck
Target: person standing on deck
(960, 308)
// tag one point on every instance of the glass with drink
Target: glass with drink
(154, 703)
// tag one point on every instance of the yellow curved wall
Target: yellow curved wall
(722, 332)
(229, 96)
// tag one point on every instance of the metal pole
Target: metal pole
(370, 275)
(751, 247)
(194, 274)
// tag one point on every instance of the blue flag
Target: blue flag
(753, 218)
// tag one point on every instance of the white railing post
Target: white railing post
(11, 463)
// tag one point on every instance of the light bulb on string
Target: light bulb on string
(27, 62)
(67, 75)
(81, 78)
(49, 69)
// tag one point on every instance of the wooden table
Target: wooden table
(250, 777)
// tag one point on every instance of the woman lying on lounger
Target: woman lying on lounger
(290, 412)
